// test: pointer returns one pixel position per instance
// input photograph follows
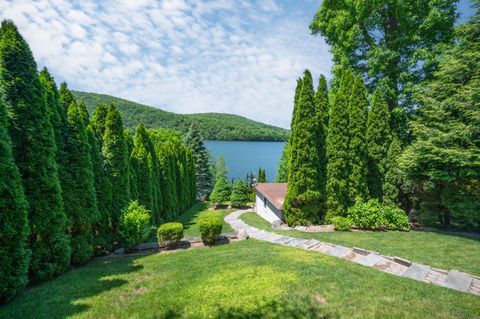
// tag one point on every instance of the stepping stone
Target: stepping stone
(417, 272)
(321, 247)
(368, 260)
(309, 243)
(283, 240)
(458, 280)
(339, 251)
(296, 242)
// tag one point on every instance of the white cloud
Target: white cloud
(183, 56)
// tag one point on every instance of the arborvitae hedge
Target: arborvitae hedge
(322, 108)
(393, 175)
(303, 199)
(14, 254)
(357, 145)
(33, 146)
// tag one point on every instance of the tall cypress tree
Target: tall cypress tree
(14, 254)
(392, 183)
(114, 150)
(337, 150)
(203, 173)
(79, 192)
(322, 117)
(303, 198)
(378, 142)
(357, 148)
(33, 146)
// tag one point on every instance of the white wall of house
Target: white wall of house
(266, 210)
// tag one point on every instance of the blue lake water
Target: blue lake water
(245, 157)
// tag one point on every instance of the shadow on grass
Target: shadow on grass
(188, 218)
(65, 296)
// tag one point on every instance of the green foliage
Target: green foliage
(221, 191)
(14, 253)
(357, 144)
(210, 228)
(114, 151)
(376, 216)
(212, 126)
(170, 234)
(282, 171)
(322, 109)
(261, 177)
(303, 199)
(220, 167)
(392, 44)
(34, 151)
(378, 141)
(202, 158)
(342, 223)
(337, 150)
(443, 162)
(134, 224)
(393, 175)
(239, 196)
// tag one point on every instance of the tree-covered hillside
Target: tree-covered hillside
(212, 126)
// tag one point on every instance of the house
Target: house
(269, 201)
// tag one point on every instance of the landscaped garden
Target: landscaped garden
(446, 250)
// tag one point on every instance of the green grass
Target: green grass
(239, 280)
(190, 218)
(445, 250)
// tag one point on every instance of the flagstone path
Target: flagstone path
(452, 279)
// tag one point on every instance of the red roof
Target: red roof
(274, 192)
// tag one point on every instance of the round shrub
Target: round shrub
(210, 228)
(396, 218)
(134, 225)
(170, 234)
(377, 216)
(342, 223)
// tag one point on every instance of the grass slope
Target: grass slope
(190, 219)
(213, 126)
(438, 249)
(248, 279)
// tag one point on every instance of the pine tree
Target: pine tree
(322, 118)
(303, 199)
(239, 196)
(262, 177)
(14, 254)
(115, 155)
(221, 191)
(357, 145)
(79, 187)
(378, 142)
(98, 122)
(203, 174)
(392, 184)
(33, 147)
(337, 150)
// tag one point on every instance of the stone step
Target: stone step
(283, 240)
(417, 272)
(309, 243)
(368, 260)
(339, 251)
(296, 242)
(458, 280)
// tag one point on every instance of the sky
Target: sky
(183, 56)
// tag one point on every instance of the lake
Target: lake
(245, 157)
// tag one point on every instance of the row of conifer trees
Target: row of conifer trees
(65, 178)
(338, 150)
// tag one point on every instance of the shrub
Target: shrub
(134, 225)
(239, 195)
(210, 228)
(342, 223)
(169, 234)
(377, 216)
(221, 191)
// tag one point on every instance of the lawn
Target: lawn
(445, 250)
(190, 218)
(247, 279)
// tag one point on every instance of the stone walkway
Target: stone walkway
(452, 279)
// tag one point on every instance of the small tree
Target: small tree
(239, 195)
(134, 225)
(221, 191)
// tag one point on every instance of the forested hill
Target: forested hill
(213, 126)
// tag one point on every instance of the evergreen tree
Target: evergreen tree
(79, 187)
(99, 118)
(393, 181)
(221, 191)
(220, 167)
(357, 146)
(303, 199)
(337, 150)
(378, 142)
(14, 254)
(115, 155)
(203, 174)
(239, 196)
(262, 177)
(321, 115)
(33, 147)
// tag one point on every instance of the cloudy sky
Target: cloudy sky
(184, 56)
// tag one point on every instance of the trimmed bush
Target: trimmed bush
(210, 228)
(134, 225)
(376, 216)
(342, 223)
(170, 234)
